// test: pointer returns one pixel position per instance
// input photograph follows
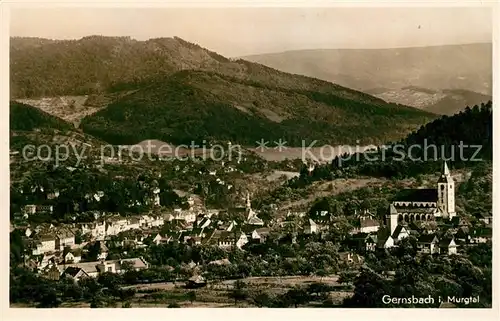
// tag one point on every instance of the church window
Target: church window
(442, 187)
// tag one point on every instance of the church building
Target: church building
(252, 218)
(424, 204)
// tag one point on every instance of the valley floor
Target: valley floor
(216, 294)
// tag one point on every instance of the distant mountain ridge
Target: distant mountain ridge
(387, 72)
(445, 102)
(178, 92)
(197, 105)
(93, 64)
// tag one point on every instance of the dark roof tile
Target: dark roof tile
(417, 195)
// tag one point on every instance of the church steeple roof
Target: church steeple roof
(446, 171)
(445, 175)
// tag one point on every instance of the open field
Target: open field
(216, 294)
(70, 108)
(328, 188)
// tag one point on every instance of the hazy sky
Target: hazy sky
(237, 32)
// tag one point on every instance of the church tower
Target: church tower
(392, 219)
(446, 193)
(248, 203)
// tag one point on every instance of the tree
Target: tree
(50, 299)
(97, 302)
(127, 266)
(296, 296)
(319, 290)
(191, 295)
(238, 292)
(78, 237)
(368, 291)
(347, 277)
(110, 280)
(262, 299)
(93, 251)
(174, 305)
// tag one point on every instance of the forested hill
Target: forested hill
(464, 140)
(93, 64)
(473, 126)
(179, 92)
(198, 105)
(423, 150)
(26, 118)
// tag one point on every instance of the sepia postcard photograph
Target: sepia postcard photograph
(250, 157)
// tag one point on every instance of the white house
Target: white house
(156, 197)
(388, 243)
(75, 273)
(241, 240)
(448, 246)
(45, 243)
(157, 221)
(36, 209)
(371, 242)
(116, 225)
(260, 234)
(428, 243)
(188, 216)
(103, 251)
(28, 232)
(99, 230)
(368, 225)
(223, 239)
(133, 224)
(74, 256)
(64, 238)
(145, 220)
(486, 218)
(45, 261)
(400, 233)
(255, 220)
(310, 227)
(53, 195)
(159, 239)
(29, 209)
(93, 269)
(205, 222)
(97, 196)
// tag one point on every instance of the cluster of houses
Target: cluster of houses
(429, 216)
(55, 248)
(152, 198)
(208, 229)
(80, 270)
(192, 225)
(426, 214)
